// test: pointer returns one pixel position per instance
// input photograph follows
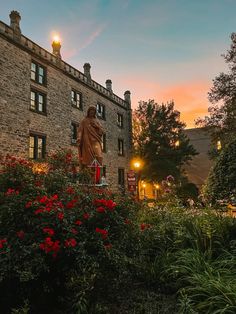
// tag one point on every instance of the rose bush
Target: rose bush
(63, 251)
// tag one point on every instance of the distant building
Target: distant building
(198, 168)
(43, 99)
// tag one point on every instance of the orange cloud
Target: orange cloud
(190, 98)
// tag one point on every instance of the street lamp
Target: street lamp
(144, 192)
(157, 188)
(137, 166)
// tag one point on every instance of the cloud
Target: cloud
(89, 40)
(79, 36)
(190, 97)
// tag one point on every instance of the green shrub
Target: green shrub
(221, 183)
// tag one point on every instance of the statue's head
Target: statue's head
(91, 112)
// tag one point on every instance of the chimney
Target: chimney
(56, 48)
(15, 23)
(87, 68)
(109, 85)
(127, 97)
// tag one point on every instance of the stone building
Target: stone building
(43, 99)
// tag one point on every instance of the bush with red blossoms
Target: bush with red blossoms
(52, 238)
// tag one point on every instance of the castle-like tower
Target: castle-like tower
(43, 99)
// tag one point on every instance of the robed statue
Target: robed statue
(89, 138)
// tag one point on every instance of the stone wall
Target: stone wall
(17, 120)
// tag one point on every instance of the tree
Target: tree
(221, 122)
(160, 141)
(221, 182)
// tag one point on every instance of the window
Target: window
(120, 147)
(38, 73)
(101, 111)
(38, 101)
(120, 120)
(121, 176)
(76, 99)
(218, 145)
(74, 129)
(104, 143)
(37, 146)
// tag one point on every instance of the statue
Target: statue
(89, 138)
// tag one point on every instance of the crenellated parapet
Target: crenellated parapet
(14, 35)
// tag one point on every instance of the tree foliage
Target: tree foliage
(221, 121)
(221, 183)
(159, 140)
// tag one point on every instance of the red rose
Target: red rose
(20, 234)
(100, 209)
(49, 231)
(70, 242)
(60, 216)
(86, 216)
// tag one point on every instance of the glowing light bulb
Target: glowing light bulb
(56, 39)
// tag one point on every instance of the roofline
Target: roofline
(31, 47)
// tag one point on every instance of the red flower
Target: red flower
(49, 231)
(110, 204)
(38, 211)
(50, 246)
(60, 216)
(70, 242)
(100, 209)
(78, 222)
(70, 190)
(127, 221)
(43, 199)
(103, 232)
(74, 231)
(144, 226)
(71, 204)
(107, 203)
(108, 246)
(86, 216)
(2, 242)
(11, 192)
(28, 205)
(20, 234)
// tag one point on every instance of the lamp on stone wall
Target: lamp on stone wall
(56, 46)
(137, 164)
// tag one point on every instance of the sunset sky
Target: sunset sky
(158, 49)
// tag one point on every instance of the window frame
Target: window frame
(74, 100)
(36, 100)
(121, 178)
(121, 141)
(37, 73)
(35, 147)
(120, 123)
(74, 131)
(101, 114)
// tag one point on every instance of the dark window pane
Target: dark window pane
(121, 176)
